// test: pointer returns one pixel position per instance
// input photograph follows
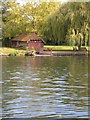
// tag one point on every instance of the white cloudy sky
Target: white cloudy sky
(24, 1)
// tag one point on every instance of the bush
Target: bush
(30, 53)
(12, 54)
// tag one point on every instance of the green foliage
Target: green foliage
(6, 42)
(58, 24)
(15, 20)
(79, 28)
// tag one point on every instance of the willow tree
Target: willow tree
(79, 29)
(41, 15)
(57, 26)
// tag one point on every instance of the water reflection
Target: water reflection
(38, 86)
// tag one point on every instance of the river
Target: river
(45, 86)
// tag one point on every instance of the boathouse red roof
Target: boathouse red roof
(27, 38)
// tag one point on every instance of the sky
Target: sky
(22, 2)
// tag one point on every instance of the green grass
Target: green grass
(7, 51)
(88, 48)
(62, 48)
(58, 48)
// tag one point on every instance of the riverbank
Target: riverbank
(4, 51)
(67, 53)
(17, 52)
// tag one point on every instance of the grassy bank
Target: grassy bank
(62, 48)
(58, 48)
(13, 51)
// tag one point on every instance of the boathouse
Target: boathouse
(18, 41)
(31, 41)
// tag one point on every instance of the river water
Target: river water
(45, 86)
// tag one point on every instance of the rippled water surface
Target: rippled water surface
(44, 86)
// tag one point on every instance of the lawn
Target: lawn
(57, 48)
(7, 51)
(61, 48)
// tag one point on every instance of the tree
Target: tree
(78, 32)
(59, 24)
(15, 21)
